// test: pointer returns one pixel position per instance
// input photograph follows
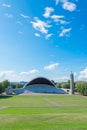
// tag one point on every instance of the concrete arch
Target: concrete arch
(40, 80)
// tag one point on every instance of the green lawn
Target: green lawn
(43, 112)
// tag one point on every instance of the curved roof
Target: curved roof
(40, 80)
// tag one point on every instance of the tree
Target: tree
(65, 85)
(13, 85)
(19, 85)
(5, 83)
(59, 85)
(2, 89)
(81, 87)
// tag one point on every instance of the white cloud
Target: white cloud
(48, 36)
(51, 66)
(64, 22)
(6, 5)
(24, 16)
(61, 79)
(75, 73)
(37, 34)
(29, 72)
(57, 1)
(33, 71)
(9, 15)
(69, 6)
(59, 19)
(8, 75)
(83, 74)
(56, 18)
(48, 11)
(6, 72)
(40, 25)
(14, 76)
(65, 32)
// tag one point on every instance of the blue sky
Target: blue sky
(45, 38)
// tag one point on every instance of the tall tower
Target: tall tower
(71, 83)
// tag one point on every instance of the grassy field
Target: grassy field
(43, 112)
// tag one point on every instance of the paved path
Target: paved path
(3, 107)
(52, 102)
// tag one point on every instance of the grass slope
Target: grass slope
(33, 112)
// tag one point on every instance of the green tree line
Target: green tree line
(79, 86)
(6, 83)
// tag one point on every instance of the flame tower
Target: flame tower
(71, 83)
